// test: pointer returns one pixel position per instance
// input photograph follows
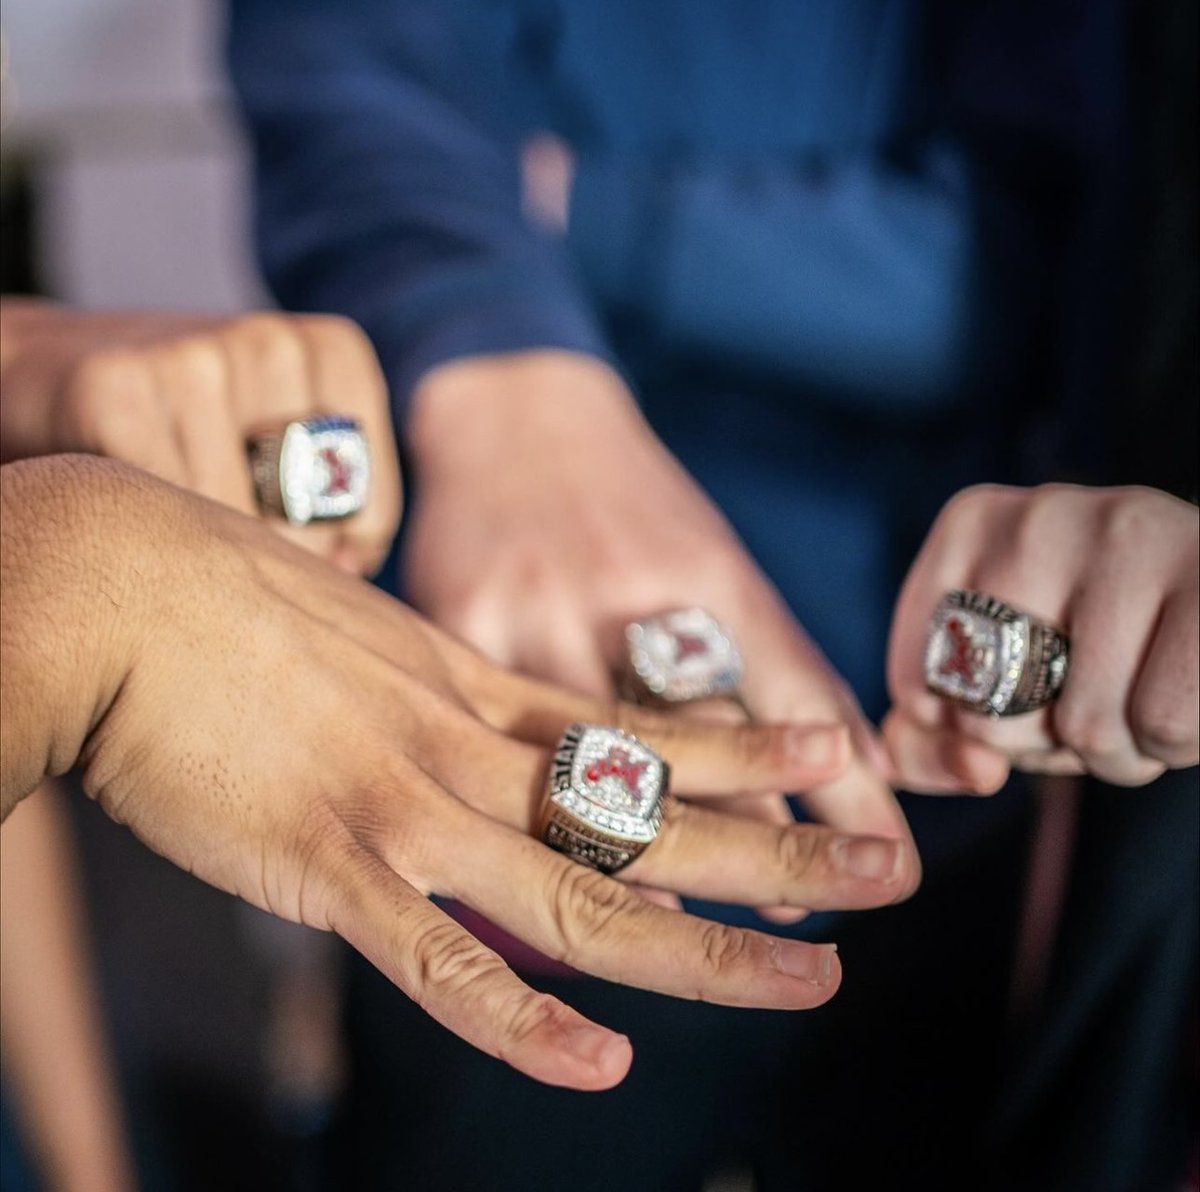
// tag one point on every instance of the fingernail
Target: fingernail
(810, 962)
(594, 1045)
(861, 856)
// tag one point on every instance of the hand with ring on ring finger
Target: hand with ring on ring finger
(551, 520)
(1053, 629)
(337, 758)
(283, 415)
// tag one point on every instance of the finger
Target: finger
(193, 378)
(976, 521)
(706, 759)
(270, 386)
(1111, 623)
(1164, 709)
(507, 779)
(768, 809)
(1025, 547)
(704, 854)
(557, 648)
(787, 678)
(941, 760)
(595, 924)
(663, 898)
(699, 853)
(346, 379)
(117, 410)
(466, 987)
(709, 759)
(1060, 762)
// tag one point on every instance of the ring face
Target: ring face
(680, 656)
(316, 470)
(605, 798)
(989, 656)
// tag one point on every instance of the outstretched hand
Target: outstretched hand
(178, 395)
(549, 515)
(292, 735)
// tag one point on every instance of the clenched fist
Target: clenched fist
(178, 395)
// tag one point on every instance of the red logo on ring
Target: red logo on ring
(618, 764)
(967, 657)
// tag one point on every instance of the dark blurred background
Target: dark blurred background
(124, 184)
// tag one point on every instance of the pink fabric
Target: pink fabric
(519, 955)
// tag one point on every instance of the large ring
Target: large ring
(313, 470)
(989, 656)
(679, 656)
(605, 797)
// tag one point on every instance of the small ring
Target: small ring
(680, 656)
(991, 657)
(605, 796)
(317, 469)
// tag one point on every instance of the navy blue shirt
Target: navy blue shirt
(844, 250)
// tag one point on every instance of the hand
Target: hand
(292, 735)
(550, 515)
(178, 395)
(1116, 568)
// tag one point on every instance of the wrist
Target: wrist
(72, 580)
(484, 410)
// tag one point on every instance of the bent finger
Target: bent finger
(940, 760)
(1165, 706)
(193, 377)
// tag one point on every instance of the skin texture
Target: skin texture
(292, 735)
(1117, 568)
(178, 395)
(522, 543)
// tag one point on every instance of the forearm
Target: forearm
(69, 602)
(389, 183)
(56, 1059)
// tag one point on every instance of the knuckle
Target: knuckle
(1131, 516)
(270, 341)
(723, 949)
(584, 904)
(449, 961)
(336, 334)
(969, 506)
(108, 393)
(323, 849)
(796, 850)
(1044, 507)
(199, 361)
(1166, 728)
(262, 328)
(1090, 731)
